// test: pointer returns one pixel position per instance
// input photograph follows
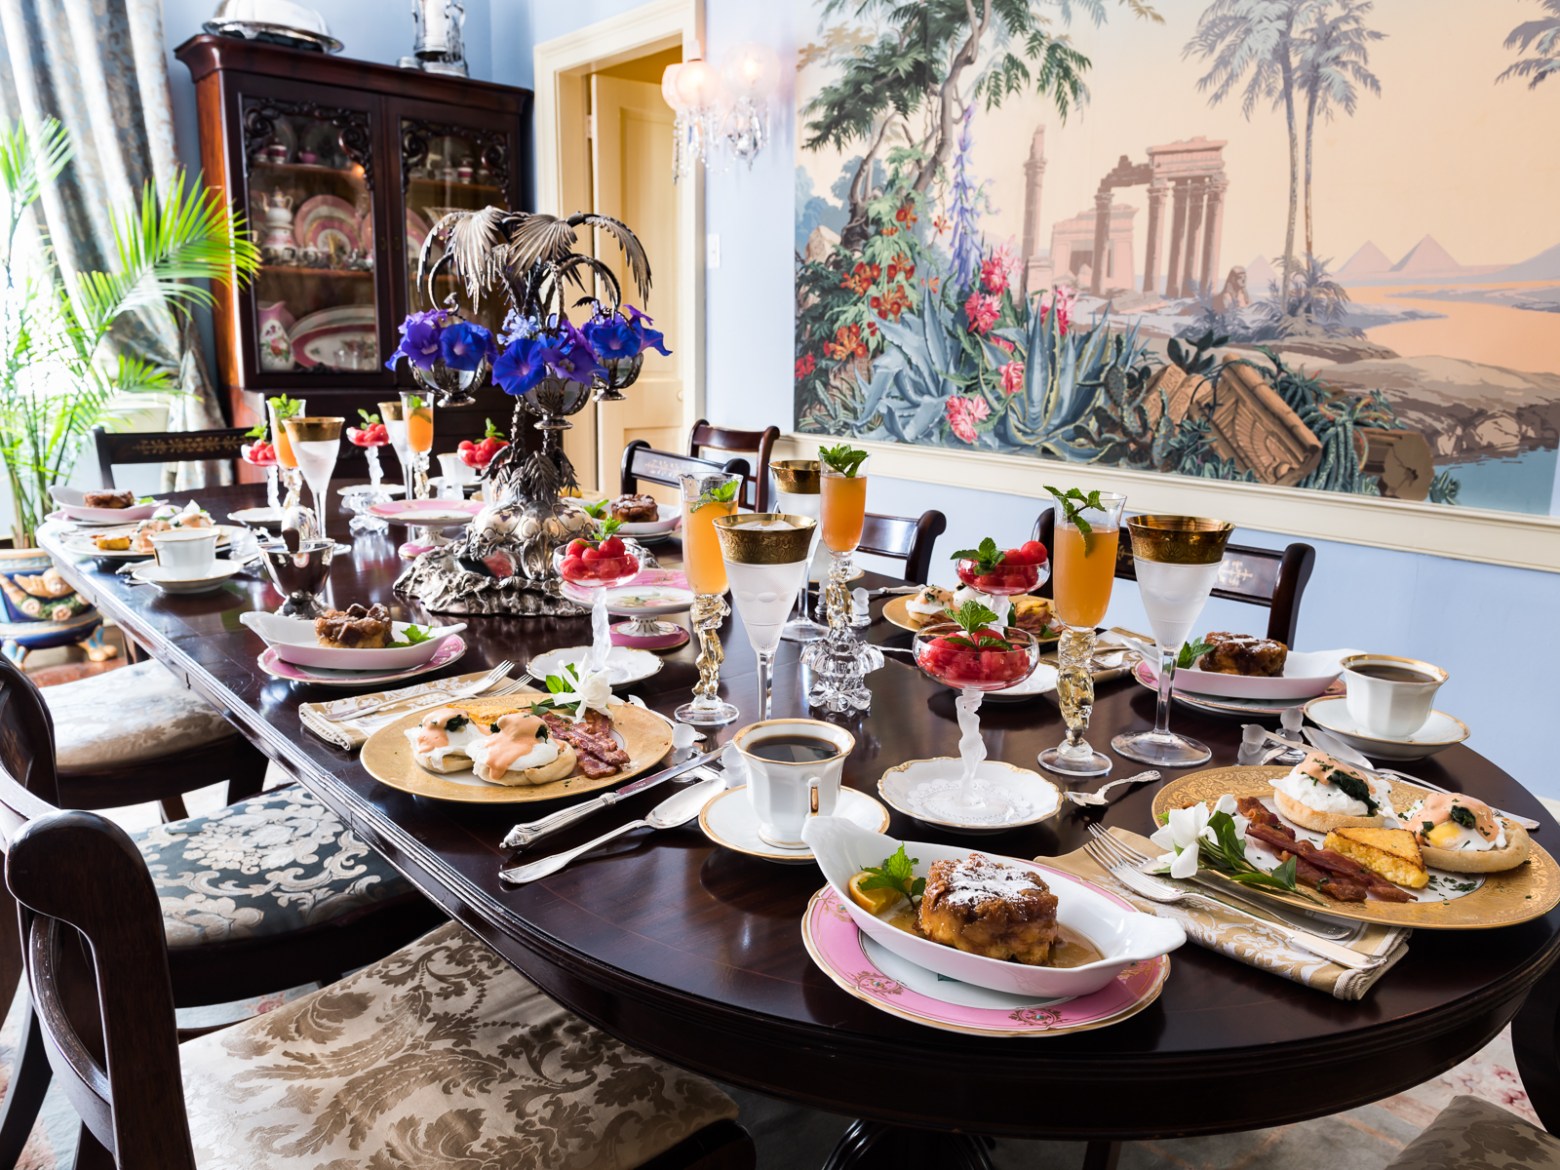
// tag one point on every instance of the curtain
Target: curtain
(100, 67)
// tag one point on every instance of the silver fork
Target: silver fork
(488, 681)
(1154, 890)
(1229, 893)
(1097, 797)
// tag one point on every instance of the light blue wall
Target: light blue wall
(1496, 630)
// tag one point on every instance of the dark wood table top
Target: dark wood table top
(695, 953)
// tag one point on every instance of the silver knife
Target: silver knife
(530, 832)
(1314, 923)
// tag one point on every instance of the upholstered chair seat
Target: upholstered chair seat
(1473, 1134)
(131, 715)
(270, 865)
(441, 1055)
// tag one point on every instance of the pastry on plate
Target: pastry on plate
(354, 628)
(1322, 794)
(513, 749)
(118, 543)
(108, 499)
(983, 906)
(635, 509)
(1243, 654)
(927, 605)
(1462, 834)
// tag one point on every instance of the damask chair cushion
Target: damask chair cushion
(1471, 1133)
(270, 865)
(439, 1057)
(130, 715)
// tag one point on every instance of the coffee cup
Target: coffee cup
(1390, 697)
(792, 768)
(456, 469)
(186, 554)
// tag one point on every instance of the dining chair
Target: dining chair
(1474, 1134)
(904, 538)
(116, 447)
(440, 1052)
(1272, 578)
(258, 897)
(706, 436)
(643, 462)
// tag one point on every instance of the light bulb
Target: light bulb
(754, 71)
(669, 85)
(698, 86)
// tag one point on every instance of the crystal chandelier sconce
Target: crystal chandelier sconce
(722, 113)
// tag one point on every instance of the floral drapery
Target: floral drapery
(100, 67)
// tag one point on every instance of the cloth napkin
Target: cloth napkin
(1246, 940)
(332, 720)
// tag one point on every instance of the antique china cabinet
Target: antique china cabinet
(340, 167)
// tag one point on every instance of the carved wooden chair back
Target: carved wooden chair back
(705, 437)
(643, 462)
(163, 447)
(1272, 578)
(904, 538)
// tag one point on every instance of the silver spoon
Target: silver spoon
(1097, 797)
(671, 812)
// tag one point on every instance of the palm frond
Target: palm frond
(633, 250)
(537, 239)
(473, 242)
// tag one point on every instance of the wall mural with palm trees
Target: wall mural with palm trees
(1310, 243)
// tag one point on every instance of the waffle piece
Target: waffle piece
(1244, 654)
(980, 905)
(354, 628)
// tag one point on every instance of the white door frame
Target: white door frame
(563, 67)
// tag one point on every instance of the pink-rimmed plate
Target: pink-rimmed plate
(274, 665)
(869, 971)
(324, 216)
(428, 513)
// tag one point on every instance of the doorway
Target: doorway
(604, 143)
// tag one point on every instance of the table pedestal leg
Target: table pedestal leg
(1101, 1155)
(868, 1145)
(1535, 1036)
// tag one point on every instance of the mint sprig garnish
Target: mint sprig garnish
(258, 431)
(284, 406)
(723, 494)
(1072, 503)
(897, 873)
(1190, 653)
(845, 459)
(607, 527)
(368, 419)
(411, 636)
(987, 557)
(413, 402)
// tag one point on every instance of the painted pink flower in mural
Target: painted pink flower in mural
(964, 413)
(993, 275)
(1062, 301)
(1002, 343)
(982, 312)
(1013, 377)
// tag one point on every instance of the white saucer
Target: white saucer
(729, 821)
(624, 664)
(1439, 732)
(269, 519)
(920, 789)
(154, 574)
(1041, 682)
(390, 489)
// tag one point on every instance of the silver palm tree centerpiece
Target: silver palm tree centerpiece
(552, 367)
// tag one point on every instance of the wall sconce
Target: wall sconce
(720, 111)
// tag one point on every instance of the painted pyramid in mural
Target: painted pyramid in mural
(1369, 260)
(1426, 257)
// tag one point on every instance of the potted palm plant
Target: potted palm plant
(57, 376)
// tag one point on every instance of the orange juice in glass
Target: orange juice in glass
(1083, 570)
(278, 410)
(705, 498)
(842, 510)
(418, 412)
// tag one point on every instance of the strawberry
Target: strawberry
(572, 568)
(1036, 552)
(611, 547)
(591, 556)
(577, 547)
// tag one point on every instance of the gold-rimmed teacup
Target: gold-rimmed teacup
(1389, 696)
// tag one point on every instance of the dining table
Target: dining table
(695, 953)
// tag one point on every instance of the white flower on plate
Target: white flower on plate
(1186, 829)
(592, 692)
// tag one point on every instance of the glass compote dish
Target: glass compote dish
(1177, 560)
(1088, 529)
(999, 575)
(278, 410)
(316, 444)
(800, 483)
(262, 453)
(371, 436)
(594, 566)
(766, 557)
(973, 653)
(705, 499)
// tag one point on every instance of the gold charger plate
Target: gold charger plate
(387, 757)
(1503, 899)
(896, 610)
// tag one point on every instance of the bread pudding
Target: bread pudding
(982, 906)
(1244, 654)
(635, 509)
(108, 499)
(354, 628)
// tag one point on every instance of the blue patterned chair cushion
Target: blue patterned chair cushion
(439, 1057)
(269, 865)
(1473, 1134)
(154, 715)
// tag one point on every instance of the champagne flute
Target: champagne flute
(706, 498)
(395, 427)
(1177, 560)
(801, 483)
(843, 511)
(1084, 565)
(316, 444)
(285, 459)
(766, 557)
(417, 415)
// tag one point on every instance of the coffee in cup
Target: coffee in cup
(792, 768)
(186, 554)
(1390, 697)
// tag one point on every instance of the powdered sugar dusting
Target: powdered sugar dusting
(977, 879)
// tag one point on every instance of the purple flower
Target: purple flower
(521, 366)
(574, 362)
(612, 338)
(648, 338)
(465, 346)
(420, 334)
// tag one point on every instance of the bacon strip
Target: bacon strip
(590, 739)
(1330, 873)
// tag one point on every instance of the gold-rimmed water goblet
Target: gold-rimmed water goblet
(316, 444)
(1177, 561)
(766, 556)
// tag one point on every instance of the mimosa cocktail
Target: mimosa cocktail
(278, 410)
(842, 516)
(702, 563)
(1087, 533)
(706, 498)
